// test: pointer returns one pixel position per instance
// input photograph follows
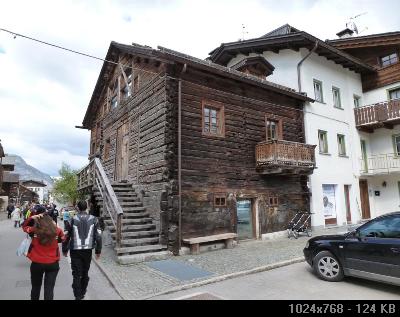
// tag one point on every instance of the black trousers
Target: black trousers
(9, 215)
(80, 265)
(50, 272)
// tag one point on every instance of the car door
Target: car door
(374, 252)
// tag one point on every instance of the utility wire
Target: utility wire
(134, 68)
(72, 51)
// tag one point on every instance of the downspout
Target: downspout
(299, 86)
(180, 156)
(180, 162)
(301, 62)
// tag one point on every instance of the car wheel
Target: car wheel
(328, 267)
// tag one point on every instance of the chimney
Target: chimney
(345, 33)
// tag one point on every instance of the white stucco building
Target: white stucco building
(336, 79)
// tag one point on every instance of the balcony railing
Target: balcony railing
(278, 155)
(380, 164)
(377, 115)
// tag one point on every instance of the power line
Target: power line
(133, 68)
(71, 50)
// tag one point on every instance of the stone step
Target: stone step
(129, 210)
(135, 215)
(137, 242)
(119, 194)
(121, 184)
(123, 189)
(138, 234)
(141, 249)
(131, 204)
(120, 199)
(135, 228)
(143, 257)
(131, 221)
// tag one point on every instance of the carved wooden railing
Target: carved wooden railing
(285, 154)
(379, 112)
(380, 164)
(94, 175)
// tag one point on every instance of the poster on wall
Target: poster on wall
(329, 201)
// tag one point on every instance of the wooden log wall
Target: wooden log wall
(227, 165)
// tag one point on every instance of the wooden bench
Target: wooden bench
(195, 242)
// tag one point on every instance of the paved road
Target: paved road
(15, 275)
(293, 282)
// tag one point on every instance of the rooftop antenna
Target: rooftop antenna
(244, 32)
(352, 26)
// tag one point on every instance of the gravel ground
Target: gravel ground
(139, 280)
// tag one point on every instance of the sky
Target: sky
(44, 91)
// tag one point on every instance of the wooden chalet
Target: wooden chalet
(182, 148)
(382, 52)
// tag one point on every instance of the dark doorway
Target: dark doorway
(365, 209)
(245, 220)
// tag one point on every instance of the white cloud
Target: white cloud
(44, 91)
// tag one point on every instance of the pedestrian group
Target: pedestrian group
(81, 234)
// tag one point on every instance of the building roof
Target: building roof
(287, 37)
(8, 160)
(282, 30)
(169, 56)
(380, 39)
(34, 183)
(1, 151)
(252, 61)
(10, 177)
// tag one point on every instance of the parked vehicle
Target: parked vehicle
(372, 251)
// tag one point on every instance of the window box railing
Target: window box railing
(380, 164)
(285, 154)
(378, 113)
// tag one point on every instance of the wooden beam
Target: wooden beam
(388, 125)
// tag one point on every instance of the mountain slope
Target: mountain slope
(28, 172)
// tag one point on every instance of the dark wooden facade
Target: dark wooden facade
(192, 180)
(370, 49)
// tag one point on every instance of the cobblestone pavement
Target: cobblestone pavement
(139, 281)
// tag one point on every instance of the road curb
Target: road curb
(109, 279)
(201, 283)
(227, 276)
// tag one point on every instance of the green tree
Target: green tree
(65, 188)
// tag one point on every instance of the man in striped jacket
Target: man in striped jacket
(82, 237)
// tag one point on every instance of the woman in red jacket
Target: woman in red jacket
(43, 252)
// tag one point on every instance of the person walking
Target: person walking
(82, 237)
(43, 252)
(10, 209)
(16, 216)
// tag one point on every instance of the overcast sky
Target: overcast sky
(44, 92)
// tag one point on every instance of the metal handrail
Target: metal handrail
(94, 175)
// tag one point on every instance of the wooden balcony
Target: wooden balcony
(380, 115)
(285, 157)
(381, 164)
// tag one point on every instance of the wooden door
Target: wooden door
(347, 202)
(122, 159)
(365, 209)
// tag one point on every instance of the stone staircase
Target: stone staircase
(140, 239)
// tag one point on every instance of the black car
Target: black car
(372, 251)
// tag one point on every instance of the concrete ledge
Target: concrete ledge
(274, 235)
(226, 277)
(143, 257)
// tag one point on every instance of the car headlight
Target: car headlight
(307, 244)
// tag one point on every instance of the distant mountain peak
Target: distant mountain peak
(28, 172)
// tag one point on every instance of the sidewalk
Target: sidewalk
(140, 281)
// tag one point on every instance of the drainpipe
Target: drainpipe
(301, 62)
(179, 160)
(180, 154)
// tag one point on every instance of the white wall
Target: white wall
(378, 95)
(331, 169)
